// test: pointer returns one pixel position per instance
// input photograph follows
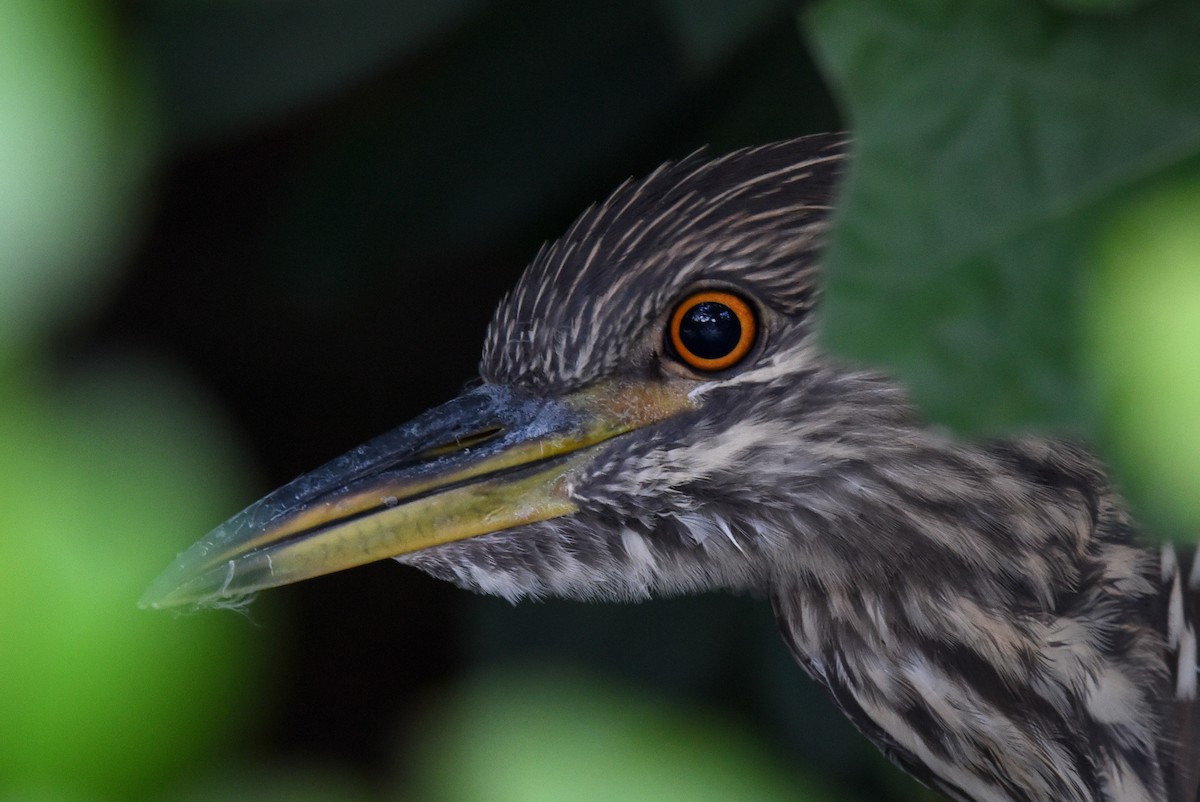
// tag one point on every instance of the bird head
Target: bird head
(654, 415)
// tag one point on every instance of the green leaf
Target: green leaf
(1096, 6)
(991, 136)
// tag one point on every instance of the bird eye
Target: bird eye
(712, 330)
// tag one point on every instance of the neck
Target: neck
(987, 618)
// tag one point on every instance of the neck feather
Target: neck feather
(987, 616)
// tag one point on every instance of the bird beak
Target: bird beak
(491, 459)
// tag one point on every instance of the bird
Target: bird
(655, 415)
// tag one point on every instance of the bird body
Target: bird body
(656, 417)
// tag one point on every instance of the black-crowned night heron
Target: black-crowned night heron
(655, 417)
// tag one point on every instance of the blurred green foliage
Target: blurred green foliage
(99, 478)
(992, 138)
(298, 782)
(73, 150)
(995, 142)
(102, 472)
(1004, 148)
(591, 741)
(1143, 324)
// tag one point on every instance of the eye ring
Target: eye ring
(712, 330)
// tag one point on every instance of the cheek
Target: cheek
(464, 565)
(448, 563)
(627, 487)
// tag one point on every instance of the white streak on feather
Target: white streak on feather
(1114, 699)
(1175, 612)
(1167, 562)
(1185, 677)
(1122, 784)
(642, 561)
(895, 726)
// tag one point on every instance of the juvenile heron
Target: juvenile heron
(655, 417)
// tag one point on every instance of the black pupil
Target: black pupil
(710, 330)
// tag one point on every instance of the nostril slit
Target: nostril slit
(462, 442)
